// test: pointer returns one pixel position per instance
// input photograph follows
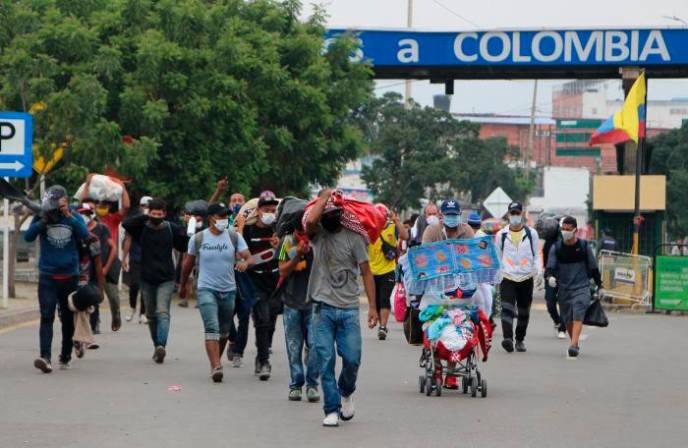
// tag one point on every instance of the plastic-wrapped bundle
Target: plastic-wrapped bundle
(102, 188)
(547, 228)
(289, 215)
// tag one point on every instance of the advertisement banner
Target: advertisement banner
(671, 283)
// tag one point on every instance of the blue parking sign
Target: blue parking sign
(16, 144)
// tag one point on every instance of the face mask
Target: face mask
(222, 224)
(102, 211)
(433, 220)
(199, 224)
(155, 221)
(235, 208)
(145, 211)
(567, 234)
(452, 221)
(515, 220)
(87, 218)
(331, 222)
(268, 218)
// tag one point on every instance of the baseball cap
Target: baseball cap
(145, 200)
(474, 219)
(52, 196)
(515, 206)
(218, 208)
(86, 207)
(267, 198)
(450, 207)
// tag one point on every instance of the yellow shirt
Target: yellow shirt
(516, 237)
(380, 265)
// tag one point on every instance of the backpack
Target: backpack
(233, 237)
(528, 235)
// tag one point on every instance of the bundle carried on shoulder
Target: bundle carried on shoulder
(101, 188)
(289, 215)
(358, 216)
(198, 207)
(547, 227)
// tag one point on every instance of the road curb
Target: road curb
(8, 319)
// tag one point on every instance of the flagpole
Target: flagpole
(638, 169)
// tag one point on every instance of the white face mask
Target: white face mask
(199, 224)
(145, 211)
(433, 220)
(568, 234)
(222, 224)
(87, 219)
(268, 219)
(515, 220)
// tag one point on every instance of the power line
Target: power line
(451, 11)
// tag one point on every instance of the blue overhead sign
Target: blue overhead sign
(16, 144)
(522, 49)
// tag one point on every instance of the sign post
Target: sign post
(497, 203)
(16, 160)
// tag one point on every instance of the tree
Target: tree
(426, 153)
(670, 157)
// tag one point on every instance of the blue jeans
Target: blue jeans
(338, 326)
(158, 299)
(52, 295)
(217, 309)
(298, 331)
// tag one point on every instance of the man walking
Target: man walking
(552, 291)
(216, 249)
(158, 238)
(430, 217)
(60, 232)
(339, 256)
(131, 263)
(518, 247)
(570, 266)
(383, 263)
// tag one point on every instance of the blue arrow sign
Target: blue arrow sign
(16, 144)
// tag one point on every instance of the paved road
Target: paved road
(629, 389)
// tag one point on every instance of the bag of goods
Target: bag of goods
(101, 188)
(547, 228)
(289, 215)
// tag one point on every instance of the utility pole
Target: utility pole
(409, 24)
(531, 131)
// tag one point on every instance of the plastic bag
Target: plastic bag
(102, 188)
(595, 316)
(398, 301)
(289, 215)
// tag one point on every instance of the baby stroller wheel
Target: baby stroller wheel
(474, 387)
(421, 384)
(429, 387)
(483, 388)
(464, 385)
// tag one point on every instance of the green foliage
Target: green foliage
(205, 88)
(670, 157)
(426, 153)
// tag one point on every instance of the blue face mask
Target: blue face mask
(452, 221)
(236, 208)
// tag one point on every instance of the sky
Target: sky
(507, 97)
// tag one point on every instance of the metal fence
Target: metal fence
(627, 278)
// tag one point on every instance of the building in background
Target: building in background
(351, 183)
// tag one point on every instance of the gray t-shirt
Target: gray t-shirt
(335, 270)
(216, 258)
(570, 267)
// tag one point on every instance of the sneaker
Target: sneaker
(230, 351)
(573, 351)
(520, 346)
(184, 303)
(159, 354)
(256, 367)
(217, 374)
(143, 320)
(43, 365)
(65, 365)
(312, 394)
(382, 333)
(508, 345)
(561, 335)
(79, 349)
(116, 322)
(295, 395)
(264, 372)
(237, 361)
(331, 420)
(129, 316)
(93, 346)
(347, 412)
(97, 329)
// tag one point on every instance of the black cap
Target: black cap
(267, 198)
(515, 206)
(218, 208)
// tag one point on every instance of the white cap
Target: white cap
(145, 200)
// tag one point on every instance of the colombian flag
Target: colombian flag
(629, 122)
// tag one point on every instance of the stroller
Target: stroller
(439, 359)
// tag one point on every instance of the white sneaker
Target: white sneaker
(143, 320)
(331, 420)
(348, 410)
(129, 316)
(561, 335)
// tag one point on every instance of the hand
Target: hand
(274, 241)
(395, 218)
(106, 268)
(372, 317)
(303, 248)
(183, 290)
(539, 282)
(125, 264)
(63, 205)
(601, 293)
(552, 282)
(241, 266)
(222, 185)
(326, 193)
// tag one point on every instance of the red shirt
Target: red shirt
(112, 221)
